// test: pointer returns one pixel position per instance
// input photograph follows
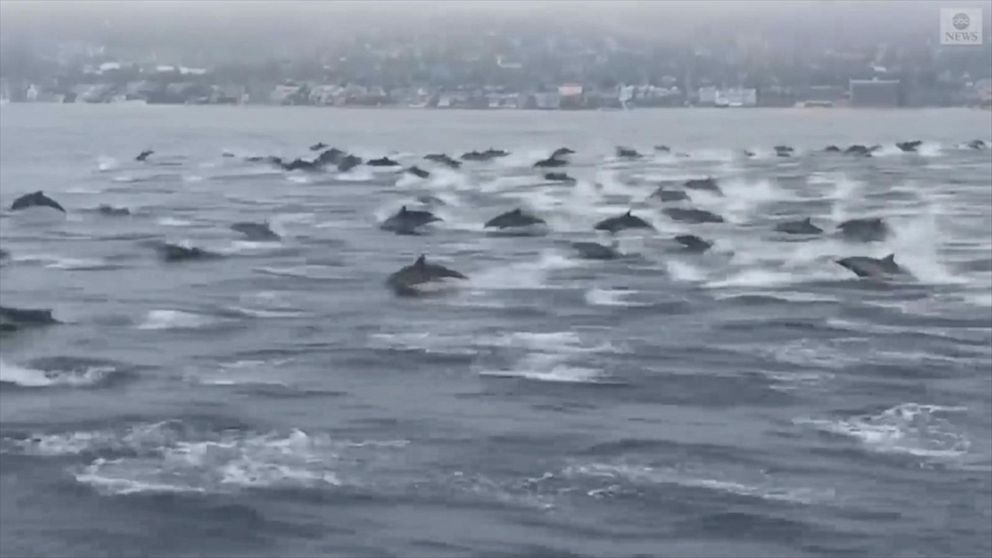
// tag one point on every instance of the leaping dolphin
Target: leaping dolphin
(111, 211)
(667, 195)
(421, 278)
(13, 319)
(418, 172)
(144, 155)
(909, 146)
(627, 153)
(176, 253)
(382, 162)
(406, 221)
(559, 177)
(596, 251)
(36, 199)
(693, 243)
(875, 268)
(550, 163)
(805, 226)
(517, 222)
(348, 162)
(623, 222)
(692, 215)
(258, 232)
(444, 159)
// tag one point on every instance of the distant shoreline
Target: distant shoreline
(817, 109)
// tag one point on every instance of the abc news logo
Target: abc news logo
(960, 26)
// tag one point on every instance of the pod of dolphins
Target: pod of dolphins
(423, 277)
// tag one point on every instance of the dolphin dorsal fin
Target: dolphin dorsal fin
(421, 261)
(628, 213)
(403, 209)
(891, 258)
(808, 221)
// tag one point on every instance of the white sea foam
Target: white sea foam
(908, 428)
(175, 319)
(522, 275)
(557, 373)
(173, 222)
(611, 297)
(12, 373)
(644, 477)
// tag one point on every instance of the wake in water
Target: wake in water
(76, 373)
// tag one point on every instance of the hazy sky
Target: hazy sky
(287, 23)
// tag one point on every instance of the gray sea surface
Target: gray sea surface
(280, 400)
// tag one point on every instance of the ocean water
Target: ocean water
(756, 400)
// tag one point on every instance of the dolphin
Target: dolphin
(330, 156)
(805, 226)
(176, 253)
(144, 155)
(692, 215)
(784, 150)
(666, 195)
(474, 156)
(227, 154)
(977, 144)
(112, 211)
(831, 149)
(348, 162)
(551, 162)
(486, 155)
(862, 150)
(561, 152)
(382, 162)
(627, 153)
(517, 222)
(559, 177)
(406, 221)
(870, 229)
(494, 153)
(297, 164)
(318, 146)
(271, 159)
(596, 251)
(421, 277)
(258, 232)
(662, 149)
(909, 146)
(13, 319)
(444, 159)
(36, 199)
(876, 268)
(693, 243)
(749, 154)
(707, 184)
(622, 222)
(418, 172)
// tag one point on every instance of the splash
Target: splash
(907, 428)
(174, 319)
(84, 376)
